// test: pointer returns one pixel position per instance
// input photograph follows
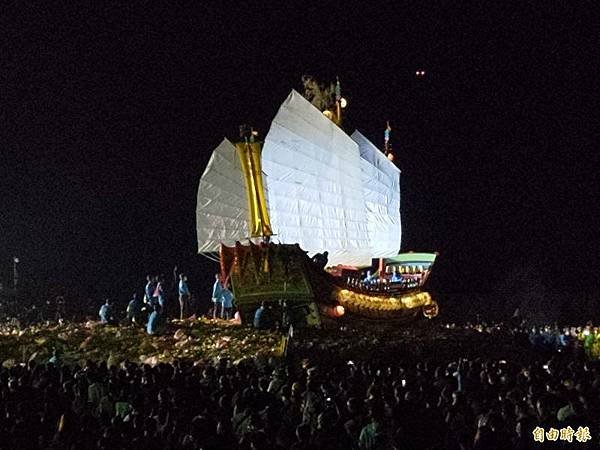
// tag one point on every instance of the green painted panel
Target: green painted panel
(411, 258)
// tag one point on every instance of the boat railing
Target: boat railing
(380, 285)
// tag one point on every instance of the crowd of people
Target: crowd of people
(256, 404)
(584, 339)
(581, 341)
(151, 311)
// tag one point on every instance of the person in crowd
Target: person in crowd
(134, 310)
(154, 321)
(216, 295)
(61, 310)
(412, 403)
(160, 294)
(396, 278)
(262, 317)
(107, 314)
(373, 435)
(303, 436)
(320, 260)
(55, 358)
(226, 303)
(184, 297)
(595, 350)
(149, 290)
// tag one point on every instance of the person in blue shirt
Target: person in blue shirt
(564, 339)
(154, 321)
(106, 313)
(258, 316)
(55, 359)
(216, 295)
(396, 278)
(262, 318)
(134, 310)
(149, 290)
(226, 303)
(184, 297)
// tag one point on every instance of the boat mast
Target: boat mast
(249, 153)
(338, 103)
(387, 149)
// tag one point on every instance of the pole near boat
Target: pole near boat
(387, 147)
(338, 103)
(249, 153)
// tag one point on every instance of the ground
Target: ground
(191, 339)
(201, 339)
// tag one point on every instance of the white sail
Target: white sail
(315, 192)
(381, 190)
(222, 205)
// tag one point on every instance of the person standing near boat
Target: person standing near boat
(106, 313)
(159, 294)
(226, 303)
(134, 311)
(154, 321)
(216, 295)
(184, 296)
(149, 290)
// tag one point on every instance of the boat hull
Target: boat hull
(274, 273)
(405, 306)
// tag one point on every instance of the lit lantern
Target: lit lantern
(334, 312)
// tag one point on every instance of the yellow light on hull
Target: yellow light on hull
(339, 311)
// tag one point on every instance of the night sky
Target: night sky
(108, 117)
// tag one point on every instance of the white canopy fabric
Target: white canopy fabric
(222, 205)
(314, 182)
(381, 190)
(324, 189)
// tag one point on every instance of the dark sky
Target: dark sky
(109, 114)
